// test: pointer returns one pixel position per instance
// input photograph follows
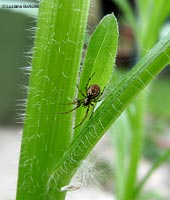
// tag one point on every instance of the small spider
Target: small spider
(93, 93)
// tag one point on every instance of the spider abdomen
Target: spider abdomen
(93, 91)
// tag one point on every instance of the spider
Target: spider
(93, 93)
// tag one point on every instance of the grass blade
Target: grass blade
(56, 57)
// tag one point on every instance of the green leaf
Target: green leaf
(56, 58)
(100, 57)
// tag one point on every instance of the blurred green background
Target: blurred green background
(15, 42)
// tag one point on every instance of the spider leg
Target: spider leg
(80, 91)
(85, 116)
(101, 92)
(93, 106)
(89, 81)
(70, 103)
(78, 105)
(76, 101)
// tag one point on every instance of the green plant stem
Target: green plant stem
(135, 118)
(121, 126)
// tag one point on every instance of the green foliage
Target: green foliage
(110, 110)
(56, 56)
(100, 56)
(84, 141)
(49, 156)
